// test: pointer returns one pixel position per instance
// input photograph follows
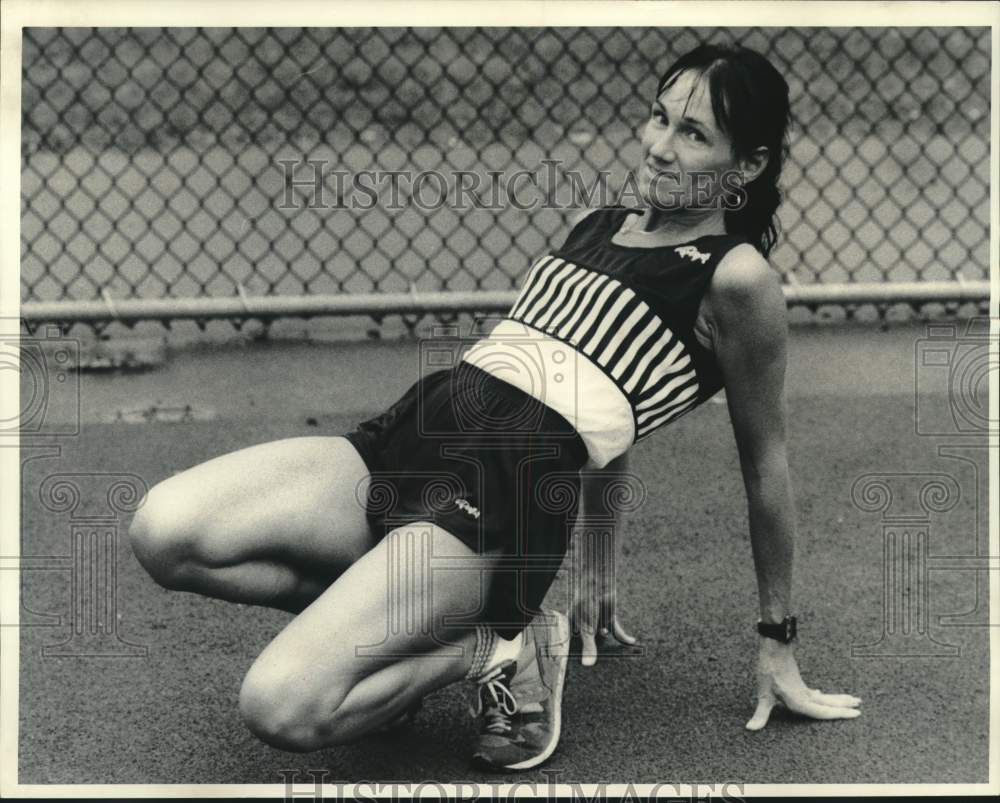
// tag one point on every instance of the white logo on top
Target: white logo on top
(472, 511)
(691, 252)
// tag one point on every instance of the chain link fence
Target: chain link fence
(152, 159)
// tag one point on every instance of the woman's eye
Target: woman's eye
(695, 135)
(659, 116)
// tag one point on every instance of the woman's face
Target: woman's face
(687, 160)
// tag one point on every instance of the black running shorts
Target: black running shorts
(489, 464)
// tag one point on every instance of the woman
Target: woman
(416, 551)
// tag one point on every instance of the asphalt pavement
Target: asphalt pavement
(866, 412)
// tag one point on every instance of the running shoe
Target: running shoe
(520, 702)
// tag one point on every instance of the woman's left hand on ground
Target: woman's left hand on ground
(779, 682)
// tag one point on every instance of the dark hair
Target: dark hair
(750, 102)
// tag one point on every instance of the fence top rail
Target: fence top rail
(245, 306)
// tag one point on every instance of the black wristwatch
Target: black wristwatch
(784, 631)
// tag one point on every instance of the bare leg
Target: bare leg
(273, 524)
(371, 645)
(282, 524)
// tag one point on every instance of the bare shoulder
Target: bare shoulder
(743, 271)
(745, 290)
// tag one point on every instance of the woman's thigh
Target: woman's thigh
(414, 596)
(298, 501)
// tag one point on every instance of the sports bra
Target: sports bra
(603, 333)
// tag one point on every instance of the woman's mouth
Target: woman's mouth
(661, 176)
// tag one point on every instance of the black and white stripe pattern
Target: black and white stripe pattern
(618, 331)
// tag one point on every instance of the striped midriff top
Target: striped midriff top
(604, 334)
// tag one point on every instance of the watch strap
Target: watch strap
(784, 631)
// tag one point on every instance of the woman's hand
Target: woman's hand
(594, 613)
(779, 682)
(594, 551)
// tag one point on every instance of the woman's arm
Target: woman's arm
(750, 332)
(750, 336)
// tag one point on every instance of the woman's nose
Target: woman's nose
(662, 147)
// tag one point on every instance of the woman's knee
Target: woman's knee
(163, 535)
(279, 709)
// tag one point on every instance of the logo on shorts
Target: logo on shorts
(691, 252)
(464, 505)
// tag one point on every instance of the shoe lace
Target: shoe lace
(497, 704)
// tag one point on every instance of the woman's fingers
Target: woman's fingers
(762, 714)
(808, 706)
(588, 651)
(835, 699)
(808, 702)
(621, 635)
(591, 632)
(585, 627)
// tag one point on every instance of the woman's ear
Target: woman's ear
(754, 164)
